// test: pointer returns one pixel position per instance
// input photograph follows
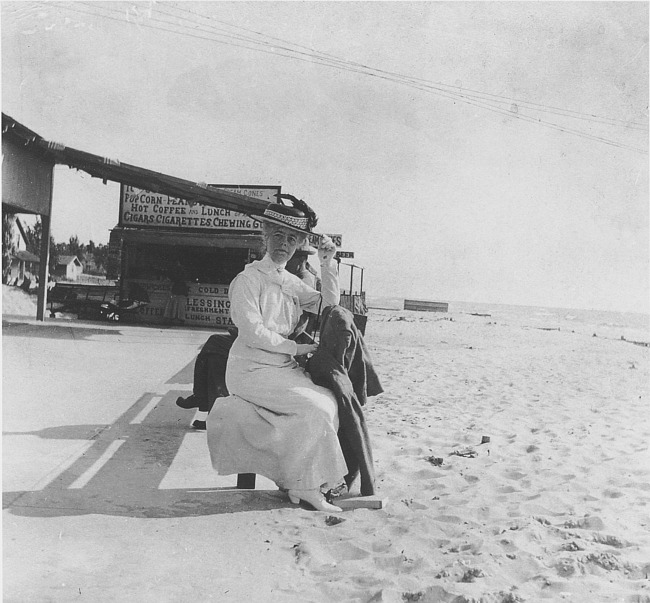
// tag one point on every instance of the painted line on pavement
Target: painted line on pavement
(167, 387)
(85, 477)
(53, 475)
(142, 415)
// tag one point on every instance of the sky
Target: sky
(466, 151)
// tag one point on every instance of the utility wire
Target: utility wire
(364, 68)
(426, 85)
(428, 88)
(322, 58)
(470, 92)
(502, 99)
(23, 10)
(347, 65)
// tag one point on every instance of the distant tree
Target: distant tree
(33, 236)
(8, 241)
(101, 257)
(93, 257)
(76, 248)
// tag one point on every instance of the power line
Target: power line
(324, 59)
(360, 68)
(428, 86)
(425, 86)
(470, 92)
(23, 11)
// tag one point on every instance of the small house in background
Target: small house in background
(68, 267)
(23, 265)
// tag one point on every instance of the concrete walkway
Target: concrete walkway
(108, 495)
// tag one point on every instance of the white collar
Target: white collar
(269, 266)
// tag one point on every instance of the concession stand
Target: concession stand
(167, 226)
(157, 234)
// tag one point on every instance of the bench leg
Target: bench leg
(246, 481)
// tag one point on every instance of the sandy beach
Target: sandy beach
(512, 448)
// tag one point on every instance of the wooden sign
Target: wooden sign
(336, 238)
(143, 209)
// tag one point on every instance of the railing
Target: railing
(355, 302)
(85, 300)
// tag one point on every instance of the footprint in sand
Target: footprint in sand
(312, 556)
(328, 560)
(398, 563)
(414, 505)
(453, 519)
(382, 546)
(514, 475)
(508, 545)
(612, 493)
(346, 551)
(507, 490)
(428, 474)
(411, 451)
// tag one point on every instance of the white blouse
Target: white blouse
(266, 303)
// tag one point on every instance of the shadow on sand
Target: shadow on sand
(124, 464)
(49, 330)
(15, 326)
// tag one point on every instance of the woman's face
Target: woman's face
(281, 243)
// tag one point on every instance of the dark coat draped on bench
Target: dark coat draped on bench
(342, 364)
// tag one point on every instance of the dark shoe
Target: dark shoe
(200, 425)
(187, 403)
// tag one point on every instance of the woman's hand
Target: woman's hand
(326, 249)
(306, 348)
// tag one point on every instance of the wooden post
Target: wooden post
(246, 481)
(123, 264)
(44, 269)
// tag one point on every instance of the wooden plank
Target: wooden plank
(425, 306)
(361, 502)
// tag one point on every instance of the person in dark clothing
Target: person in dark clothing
(175, 308)
(300, 266)
(342, 363)
(209, 376)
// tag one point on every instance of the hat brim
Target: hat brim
(310, 251)
(270, 220)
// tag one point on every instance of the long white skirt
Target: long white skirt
(278, 424)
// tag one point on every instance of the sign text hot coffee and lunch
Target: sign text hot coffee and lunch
(207, 303)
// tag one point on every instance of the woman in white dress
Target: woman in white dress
(276, 422)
